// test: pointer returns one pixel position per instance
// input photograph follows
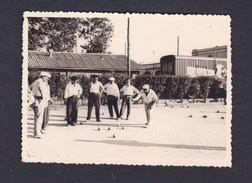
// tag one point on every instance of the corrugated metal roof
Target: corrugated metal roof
(80, 61)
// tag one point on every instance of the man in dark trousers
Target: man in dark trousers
(72, 95)
(94, 98)
(128, 91)
(112, 91)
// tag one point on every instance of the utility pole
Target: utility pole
(153, 61)
(128, 50)
(125, 48)
(178, 45)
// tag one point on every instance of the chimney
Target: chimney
(50, 52)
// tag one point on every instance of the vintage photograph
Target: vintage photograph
(127, 89)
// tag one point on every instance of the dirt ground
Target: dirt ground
(178, 135)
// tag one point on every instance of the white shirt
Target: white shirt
(112, 89)
(41, 89)
(72, 89)
(96, 87)
(150, 97)
(129, 90)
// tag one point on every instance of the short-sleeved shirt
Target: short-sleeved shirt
(150, 97)
(72, 89)
(129, 90)
(112, 89)
(96, 87)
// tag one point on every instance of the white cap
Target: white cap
(47, 74)
(112, 79)
(146, 86)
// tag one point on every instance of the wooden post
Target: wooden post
(178, 45)
(128, 50)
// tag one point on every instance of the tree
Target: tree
(58, 34)
(97, 33)
(36, 34)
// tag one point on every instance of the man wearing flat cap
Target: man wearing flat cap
(72, 95)
(112, 91)
(41, 93)
(149, 98)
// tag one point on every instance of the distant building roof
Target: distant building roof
(80, 61)
(151, 66)
(217, 51)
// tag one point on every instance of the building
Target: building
(199, 63)
(217, 52)
(190, 66)
(151, 69)
(80, 63)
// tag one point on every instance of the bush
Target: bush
(166, 87)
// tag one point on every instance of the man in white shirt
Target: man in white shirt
(149, 98)
(127, 91)
(94, 98)
(41, 93)
(72, 95)
(112, 91)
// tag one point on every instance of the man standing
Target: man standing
(127, 91)
(73, 92)
(41, 93)
(149, 99)
(112, 91)
(94, 98)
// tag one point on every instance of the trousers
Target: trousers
(94, 99)
(45, 118)
(149, 112)
(126, 101)
(38, 110)
(112, 102)
(72, 109)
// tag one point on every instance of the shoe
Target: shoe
(68, 125)
(98, 120)
(127, 118)
(73, 124)
(45, 128)
(37, 137)
(147, 124)
(87, 121)
(42, 131)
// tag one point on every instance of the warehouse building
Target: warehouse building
(84, 63)
(203, 62)
(217, 52)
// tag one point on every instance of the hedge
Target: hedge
(166, 87)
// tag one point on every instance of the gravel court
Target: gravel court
(173, 137)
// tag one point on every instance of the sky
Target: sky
(154, 35)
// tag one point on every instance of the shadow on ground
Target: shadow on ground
(148, 144)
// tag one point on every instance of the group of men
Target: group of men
(73, 93)
(129, 93)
